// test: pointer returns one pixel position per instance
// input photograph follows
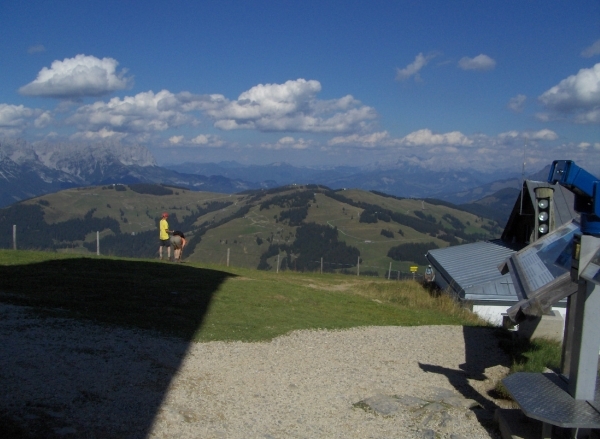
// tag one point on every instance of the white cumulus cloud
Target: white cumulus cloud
(207, 140)
(480, 62)
(517, 103)
(372, 140)
(176, 140)
(43, 120)
(292, 106)
(455, 150)
(593, 50)
(289, 107)
(414, 68)
(14, 115)
(78, 77)
(577, 96)
(511, 136)
(143, 112)
(201, 140)
(544, 134)
(288, 142)
(14, 119)
(102, 134)
(426, 137)
(294, 143)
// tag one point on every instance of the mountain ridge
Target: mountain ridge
(255, 226)
(31, 169)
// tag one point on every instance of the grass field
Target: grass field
(202, 302)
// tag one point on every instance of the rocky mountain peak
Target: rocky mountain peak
(56, 155)
(64, 156)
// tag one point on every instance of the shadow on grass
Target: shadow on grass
(73, 359)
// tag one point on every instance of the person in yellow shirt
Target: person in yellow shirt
(163, 236)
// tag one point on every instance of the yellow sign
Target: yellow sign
(413, 268)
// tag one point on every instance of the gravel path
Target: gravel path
(64, 378)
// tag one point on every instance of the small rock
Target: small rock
(380, 404)
(460, 402)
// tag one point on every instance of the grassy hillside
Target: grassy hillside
(135, 212)
(244, 225)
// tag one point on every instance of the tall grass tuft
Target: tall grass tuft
(412, 294)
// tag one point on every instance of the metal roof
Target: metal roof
(472, 272)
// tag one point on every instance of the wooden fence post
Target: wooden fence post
(14, 236)
(97, 243)
(390, 271)
(358, 267)
(228, 257)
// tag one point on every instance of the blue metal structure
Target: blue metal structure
(586, 188)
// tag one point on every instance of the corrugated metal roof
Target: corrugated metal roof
(472, 270)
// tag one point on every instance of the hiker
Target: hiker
(178, 242)
(163, 236)
(429, 274)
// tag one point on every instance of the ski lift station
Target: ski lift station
(470, 271)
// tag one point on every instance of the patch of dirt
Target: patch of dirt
(493, 375)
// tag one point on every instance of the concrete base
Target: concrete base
(548, 326)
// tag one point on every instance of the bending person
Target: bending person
(178, 243)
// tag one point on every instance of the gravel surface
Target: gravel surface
(66, 378)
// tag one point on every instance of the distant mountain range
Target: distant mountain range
(28, 170)
(32, 169)
(400, 179)
(408, 181)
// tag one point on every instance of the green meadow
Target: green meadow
(208, 302)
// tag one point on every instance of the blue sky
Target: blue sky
(442, 84)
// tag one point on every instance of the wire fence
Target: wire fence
(240, 256)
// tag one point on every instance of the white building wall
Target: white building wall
(493, 313)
